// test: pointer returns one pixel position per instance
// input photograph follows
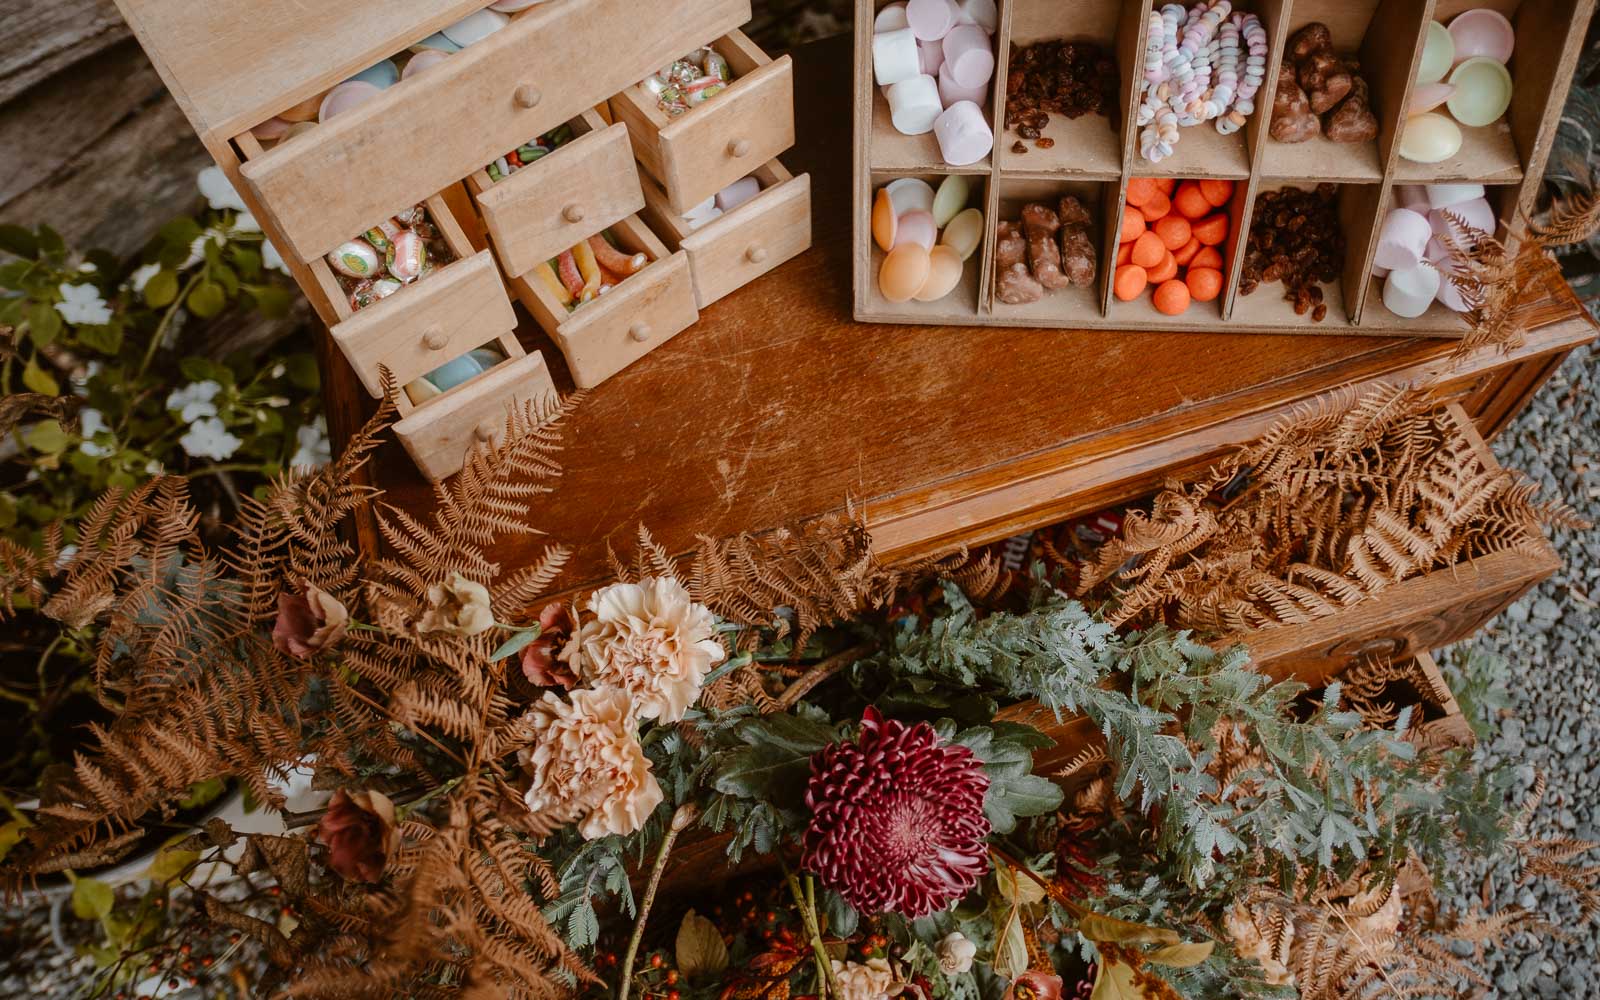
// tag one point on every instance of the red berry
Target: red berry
(656, 961)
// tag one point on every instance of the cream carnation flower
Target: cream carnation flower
(650, 640)
(588, 765)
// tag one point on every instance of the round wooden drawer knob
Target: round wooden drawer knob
(528, 96)
(573, 214)
(485, 430)
(435, 339)
(640, 332)
(739, 148)
(756, 254)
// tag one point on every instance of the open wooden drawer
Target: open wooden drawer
(736, 248)
(440, 433)
(425, 133)
(602, 337)
(550, 204)
(710, 146)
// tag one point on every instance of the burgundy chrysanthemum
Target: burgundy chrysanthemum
(897, 818)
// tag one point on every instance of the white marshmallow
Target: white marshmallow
(1476, 214)
(969, 53)
(964, 134)
(914, 104)
(895, 57)
(1404, 238)
(951, 92)
(890, 18)
(983, 13)
(1446, 195)
(1410, 291)
(932, 19)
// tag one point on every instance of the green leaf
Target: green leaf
(207, 300)
(516, 644)
(161, 289)
(303, 372)
(1114, 981)
(170, 864)
(699, 949)
(1099, 927)
(766, 772)
(842, 918)
(11, 834)
(790, 732)
(1010, 946)
(46, 437)
(273, 300)
(50, 241)
(92, 899)
(40, 381)
(1182, 955)
(1015, 887)
(583, 927)
(107, 338)
(44, 323)
(17, 240)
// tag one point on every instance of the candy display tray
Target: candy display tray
(1100, 154)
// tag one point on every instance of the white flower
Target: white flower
(871, 980)
(208, 437)
(90, 423)
(153, 468)
(244, 222)
(458, 607)
(219, 191)
(650, 640)
(87, 268)
(197, 249)
(955, 953)
(314, 448)
(140, 278)
(195, 400)
(82, 305)
(271, 258)
(588, 765)
(295, 786)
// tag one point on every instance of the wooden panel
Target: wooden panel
(439, 435)
(553, 203)
(426, 133)
(741, 246)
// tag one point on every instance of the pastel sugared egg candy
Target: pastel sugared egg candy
(305, 111)
(1408, 293)
(382, 75)
(905, 270)
(1427, 96)
(1485, 33)
(346, 97)
(1403, 240)
(910, 194)
(945, 267)
(272, 129)
(1438, 54)
(932, 19)
(475, 27)
(918, 228)
(885, 221)
(453, 373)
(1483, 92)
(512, 6)
(1430, 138)
(890, 18)
(436, 42)
(423, 61)
(951, 198)
(964, 233)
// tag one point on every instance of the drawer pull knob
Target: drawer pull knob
(485, 430)
(640, 332)
(528, 96)
(573, 214)
(756, 254)
(435, 339)
(739, 148)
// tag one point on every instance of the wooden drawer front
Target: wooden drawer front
(438, 435)
(557, 201)
(741, 246)
(426, 133)
(722, 140)
(428, 323)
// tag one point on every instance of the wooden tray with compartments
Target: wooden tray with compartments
(1095, 156)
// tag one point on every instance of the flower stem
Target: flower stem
(166, 321)
(806, 903)
(681, 819)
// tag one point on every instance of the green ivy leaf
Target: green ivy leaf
(207, 300)
(44, 323)
(17, 240)
(161, 289)
(40, 381)
(107, 339)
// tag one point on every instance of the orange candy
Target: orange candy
(1172, 298)
(1131, 281)
(1133, 224)
(1205, 283)
(1185, 254)
(1158, 207)
(1218, 193)
(1164, 271)
(904, 272)
(1167, 185)
(1125, 254)
(1207, 257)
(1212, 230)
(1190, 201)
(1140, 190)
(1148, 250)
(1174, 232)
(884, 222)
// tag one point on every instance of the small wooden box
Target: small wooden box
(440, 433)
(1098, 155)
(739, 246)
(552, 203)
(602, 337)
(709, 147)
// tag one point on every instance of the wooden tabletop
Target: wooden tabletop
(778, 407)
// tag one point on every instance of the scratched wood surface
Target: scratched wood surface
(776, 407)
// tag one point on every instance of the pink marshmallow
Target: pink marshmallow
(932, 19)
(952, 92)
(932, 57)
(1476, 214)
(1403, 240)
(983, 13)
(970, 55)
(737, 193)
(964, 134)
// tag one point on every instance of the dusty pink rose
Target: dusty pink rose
(539, 662)
(308, 621)
(360, 833)
(1035, 985)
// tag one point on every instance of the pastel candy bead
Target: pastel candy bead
(346, 96)
(970, 55)
(1485, 33)
(904, 272)
(422, 62)
(420, 390)
(1430, 138)
(1446, 195)
(737, 193)
(1438, 54)
(951, 92)
(918, 228)
(891, 18)
(436, 42)
(945, 268)
(964, 233)
(931, 55)
(983, 13)
(1403, 240)
(950, 199)
(1409, 292)
(272, 129)
(453, 373)
(963, 133)
(407, 257)
(914, 105)
(1483, 92)
(486, 357)
(382, 75)
(475, 27)
(932, 19)
(895, 57)
(1476, 215)
(909, 194)
(355, 259)
(1427, 96)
